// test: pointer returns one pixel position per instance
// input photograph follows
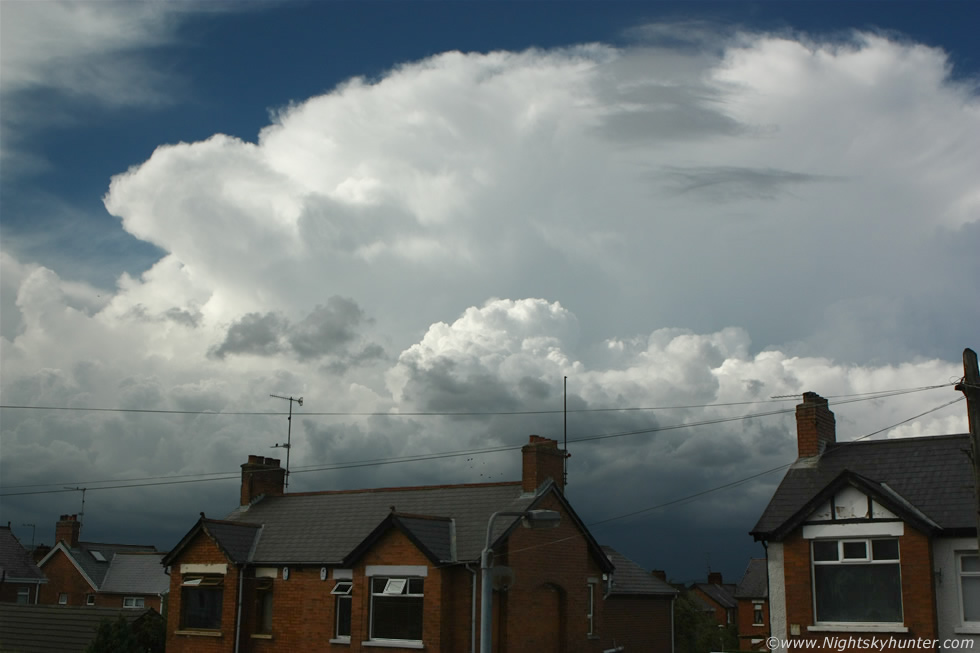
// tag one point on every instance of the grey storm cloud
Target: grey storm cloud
(327, 330)
(721, 183)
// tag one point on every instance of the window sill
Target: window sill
(199, 633)
(857, 628)
(261, 636)
(340, 640)
(393, 643)
(967, 630)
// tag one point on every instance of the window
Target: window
(90, 599)
(969, 568)
(757, 616)
(130, 601)
(857, 580)
(590, 607)
(342, 590)
(263, 606)
(200, 602)
(23, 595)
(63, 599)
(396, 608)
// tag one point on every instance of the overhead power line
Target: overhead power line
(234, 474)
(266, 413)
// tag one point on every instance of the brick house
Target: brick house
(395, 567)
(20, 578)
(872, 538)
(102, 575)
(638, 607)
(752, 595)
(719, 596)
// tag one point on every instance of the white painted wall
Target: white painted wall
(777, 592)
(946, 579)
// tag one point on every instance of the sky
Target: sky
(422, 217)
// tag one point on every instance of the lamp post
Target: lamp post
(529, 519)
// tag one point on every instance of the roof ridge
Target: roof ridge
(404, 488)
(230, 522)
(908, 438)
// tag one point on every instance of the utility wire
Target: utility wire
(781, 398)
(231, 475)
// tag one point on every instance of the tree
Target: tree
(696, 631)
(145, 634)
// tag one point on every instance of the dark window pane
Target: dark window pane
(201, 608)
(378, 584)
(397, 617)
(866, 593)
(884, 549)
(855, 550)
(415, 585)
(343, 615)
(824, 550)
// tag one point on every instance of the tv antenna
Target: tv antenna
(33, 528)
(81, 515)
(289, 432)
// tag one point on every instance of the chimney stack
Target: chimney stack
(542, 460)
(714, 578)
(67, 530)
(261, 476)
(815, 425)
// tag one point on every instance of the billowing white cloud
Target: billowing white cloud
(681, 230)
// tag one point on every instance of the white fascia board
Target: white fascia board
(215, 568)
(864, 529)
(397, 570)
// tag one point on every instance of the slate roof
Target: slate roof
(630, 578)
(136, 573)
(15, 561)
(55, 628)
(931, 473)
(97, 569)
(324, 527)
(755, 581)
(723, 595)
(237, 540)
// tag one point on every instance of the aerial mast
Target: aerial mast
(289, 432)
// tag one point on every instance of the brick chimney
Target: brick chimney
(659, 573)
(542, 460)
(261, 476)
(67, 530)
(815, 425)
(714, 578)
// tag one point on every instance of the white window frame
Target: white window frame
(590, 607)
(342, 589)
(395, 586)
(24, 592)
(90, 599)
(960, 574)
(758, 608)
(63, 598)
(134, 602)
(209, 581)
(867, 560)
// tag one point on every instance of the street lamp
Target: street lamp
(529, 519)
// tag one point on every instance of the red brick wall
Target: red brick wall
(918, 593)
(202, 551)
(8, 591)
(553, 566)
(641, 623)
(747, 629)
(720, 613)
(63, 576)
